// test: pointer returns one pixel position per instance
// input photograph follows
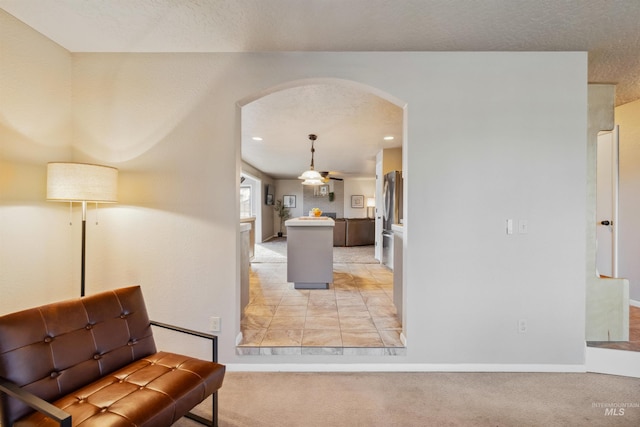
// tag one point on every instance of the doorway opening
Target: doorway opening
(607, 229)
(357, 315)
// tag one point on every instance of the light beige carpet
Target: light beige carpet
(275, 251)
(426, 399)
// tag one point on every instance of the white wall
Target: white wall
(288, 187)
(627, 117)
(358, 186)
(39, 251)
(352, 186)
(490, 136)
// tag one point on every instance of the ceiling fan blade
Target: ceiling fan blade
(326, 176)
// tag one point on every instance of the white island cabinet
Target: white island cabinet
(310, 252)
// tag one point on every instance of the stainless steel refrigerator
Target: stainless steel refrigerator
(392, 213)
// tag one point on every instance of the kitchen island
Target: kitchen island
(310, 252)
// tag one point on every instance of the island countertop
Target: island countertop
(310, 221)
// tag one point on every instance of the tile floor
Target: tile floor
(355, 315)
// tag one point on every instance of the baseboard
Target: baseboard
(402, 367)
(634, 303)
(613, 362)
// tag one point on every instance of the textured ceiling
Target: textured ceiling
(350, 125)
(609, 30)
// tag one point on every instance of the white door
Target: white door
(607, 204)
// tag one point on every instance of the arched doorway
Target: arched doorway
(348, 118)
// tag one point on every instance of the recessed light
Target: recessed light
(257, 138)
(388, 138)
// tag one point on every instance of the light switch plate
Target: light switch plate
(509, 226)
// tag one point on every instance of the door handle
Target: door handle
(605, 222)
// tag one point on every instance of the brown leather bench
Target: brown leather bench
(93, 360)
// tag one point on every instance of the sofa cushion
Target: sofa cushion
(154, 391)
(360, 232)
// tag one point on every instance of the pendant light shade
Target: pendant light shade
(311, 177)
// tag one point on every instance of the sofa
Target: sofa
(92, 361)
(340, 232)
(354, 232)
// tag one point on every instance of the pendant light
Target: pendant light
(311, 177)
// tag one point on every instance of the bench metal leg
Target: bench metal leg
(204, 421)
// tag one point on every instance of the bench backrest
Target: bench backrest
(57, 348)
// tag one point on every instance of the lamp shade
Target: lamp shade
(371, 202)
(81, 182)
(311, 177)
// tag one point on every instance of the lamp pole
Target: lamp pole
(84, 232)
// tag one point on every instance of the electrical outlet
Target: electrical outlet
(522, 326)
(214, 324)
(523, 226)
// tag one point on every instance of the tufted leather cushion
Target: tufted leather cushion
(104, 339)
(154, 391)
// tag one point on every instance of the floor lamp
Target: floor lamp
(81, 182)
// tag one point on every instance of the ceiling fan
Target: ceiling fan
(326, 176)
